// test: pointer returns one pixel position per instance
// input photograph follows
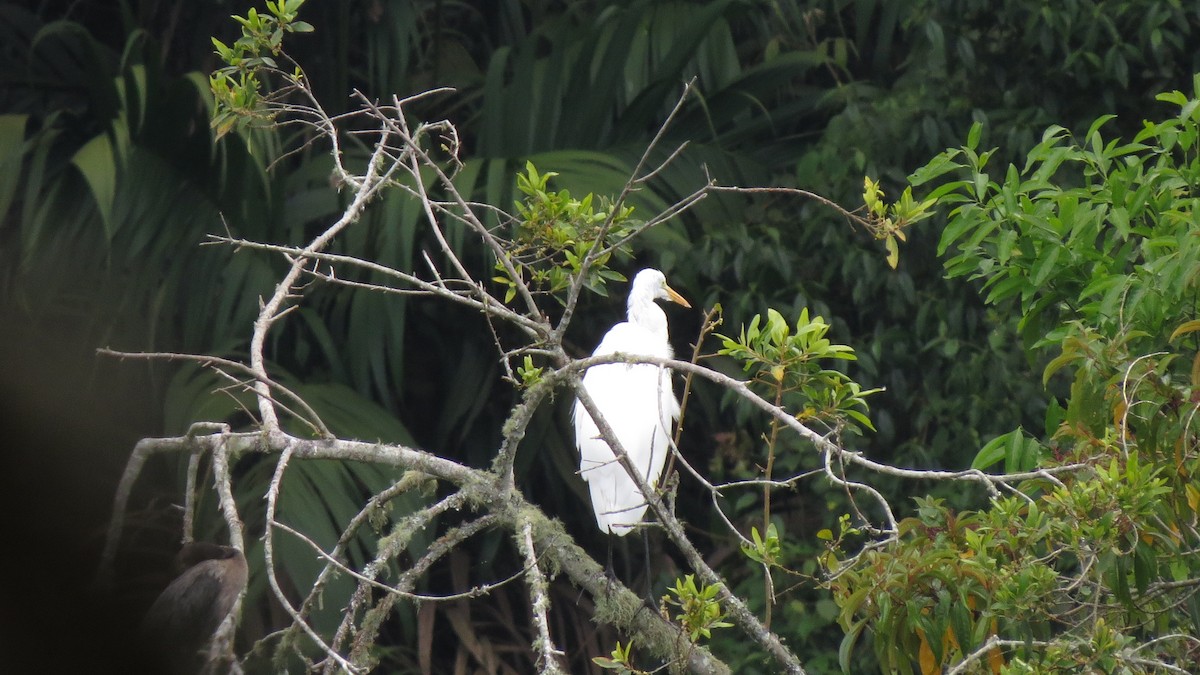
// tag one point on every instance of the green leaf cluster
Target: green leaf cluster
(237, 87)
(528, 373)
(888, 221)
(620, 660)
(699, 610)
(555, 233)
(787, 360)
(1091, 245)
(1021, 570)
(764, 550)
(1018, 451)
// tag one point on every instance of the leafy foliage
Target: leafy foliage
(555, 234)
(236, 87)
(1091, 243)
(787, 362)
(620, 660)
(764, 550)
(699, 608)
(113, 174)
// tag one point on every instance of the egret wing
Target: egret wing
(637, 402)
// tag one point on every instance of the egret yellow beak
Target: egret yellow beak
(675, 297)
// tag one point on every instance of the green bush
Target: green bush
(1088, 565)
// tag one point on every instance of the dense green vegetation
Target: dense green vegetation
(1091, 244)
(110, 170)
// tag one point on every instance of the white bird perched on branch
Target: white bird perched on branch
(638, 403)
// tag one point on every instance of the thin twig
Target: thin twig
(272, 579)
(539, 605)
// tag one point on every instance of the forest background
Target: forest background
(113, 178)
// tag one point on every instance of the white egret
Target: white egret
(638, 403)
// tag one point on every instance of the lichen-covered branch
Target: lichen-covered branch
(508, 509)
(539, 604)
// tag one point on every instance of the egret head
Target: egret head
(652, 284)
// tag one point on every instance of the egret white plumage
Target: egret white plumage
(637, 402)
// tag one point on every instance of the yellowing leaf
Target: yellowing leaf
(1184, 328)
(1193, 497)
(929, 665)
(949, 642)
(893, 255)
(995, 660)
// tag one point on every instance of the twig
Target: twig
(312, 418)
(272, 310)
(272, 579)
(334, 563)
(406, 483)
(440, 289)
(539, 604)
(736, 608)
(708, 324)
(594, 253)
(222, 643)
(189, 498)
(441, 547)
(992, 643)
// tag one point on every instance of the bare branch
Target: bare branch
(539, 603)
(272, 579)
(189, 497)
(466, 297)
(736, 608)
(631, 184)
(994, 642)
(310, 416)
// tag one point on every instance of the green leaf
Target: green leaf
(992, 452)
(1013, 451)
(96, 162)
(1145, 566)
(846, 649)
(1056, 364)
(12, 142)
(222, 50)
(973, 135)
(981, 185)
(1045, 266)
(938, 166)
(1100, 121)
(860, 417)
